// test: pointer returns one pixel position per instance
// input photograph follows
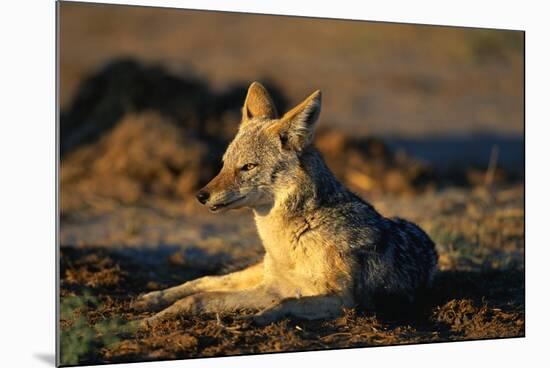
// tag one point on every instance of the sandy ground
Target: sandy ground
(109, 256)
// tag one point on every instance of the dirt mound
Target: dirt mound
(148, 154)
(135, 131)
(144, 154)
(368, 165)
(126, 86)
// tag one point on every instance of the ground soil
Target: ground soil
(111, 256)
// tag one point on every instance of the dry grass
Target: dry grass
(478, 293)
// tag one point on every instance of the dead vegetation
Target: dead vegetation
(136, 131)
(478, 293)
(455, 315)
(368, 165)
(129, 163)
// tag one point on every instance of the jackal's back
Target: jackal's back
(396, 261)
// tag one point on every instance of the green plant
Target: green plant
(79, 338)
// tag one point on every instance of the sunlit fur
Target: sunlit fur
(325, 247)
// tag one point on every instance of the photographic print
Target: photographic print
(234, 183)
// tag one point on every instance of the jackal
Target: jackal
(325, 248)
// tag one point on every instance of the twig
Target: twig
(336, 334)
(491, 168)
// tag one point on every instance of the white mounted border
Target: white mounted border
(27, 162)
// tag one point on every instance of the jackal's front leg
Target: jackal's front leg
(245, 279)
(254, 299)
(310, 308)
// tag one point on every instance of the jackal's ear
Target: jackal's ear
(298, 124)
(258, 103)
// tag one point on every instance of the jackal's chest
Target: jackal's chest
(302, 258)
(280, 238)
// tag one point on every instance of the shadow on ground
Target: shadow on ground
(98, 284)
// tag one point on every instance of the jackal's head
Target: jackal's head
(264, 157)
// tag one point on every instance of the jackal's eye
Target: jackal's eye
(248, 167)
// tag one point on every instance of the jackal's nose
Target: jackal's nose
(203, 196)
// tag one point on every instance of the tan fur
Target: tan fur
(258, 103)
(309, 265)
(298, 266)
(313, 230)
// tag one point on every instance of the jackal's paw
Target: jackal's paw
(152, 301)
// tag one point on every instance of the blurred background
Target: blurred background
(151, 97)
(426, 122)
(448, 97)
